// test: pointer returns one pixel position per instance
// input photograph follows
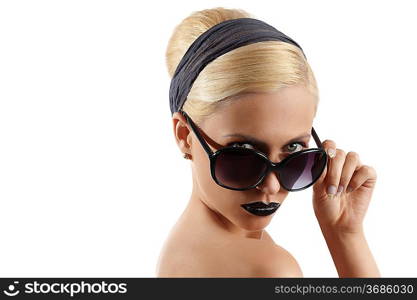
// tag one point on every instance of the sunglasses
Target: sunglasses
(240, 169)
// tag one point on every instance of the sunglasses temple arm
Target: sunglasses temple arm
(196, 132)
(316, 138)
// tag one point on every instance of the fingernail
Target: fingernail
(349, 189)
(340, 189)
(331, 152)
(331, 189)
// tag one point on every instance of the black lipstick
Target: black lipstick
(261, 209)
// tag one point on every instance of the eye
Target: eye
(241, 145)
(302, 144)
(291, 148)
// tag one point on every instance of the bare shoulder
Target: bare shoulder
(223, 257)
(274, 261)
(279, 262)
(209, 258)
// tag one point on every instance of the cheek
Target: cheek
(215, 196)
(201, 164)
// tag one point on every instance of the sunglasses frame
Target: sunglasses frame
(271, 166)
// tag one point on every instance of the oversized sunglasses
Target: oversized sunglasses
(240, 169)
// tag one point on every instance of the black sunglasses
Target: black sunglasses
(240, 169)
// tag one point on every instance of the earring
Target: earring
(187, 156)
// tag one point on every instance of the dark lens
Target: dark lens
(302, 170)
(239, 168)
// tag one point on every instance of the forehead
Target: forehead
(278, 115)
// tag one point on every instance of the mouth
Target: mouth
(261, 209)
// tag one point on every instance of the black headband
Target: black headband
(218, 40)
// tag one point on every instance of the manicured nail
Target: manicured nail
(349, 189)
(331, 152)
(331, 189)
(340, 189)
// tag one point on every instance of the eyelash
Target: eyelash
(249, 143)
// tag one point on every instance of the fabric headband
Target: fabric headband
(216, 41)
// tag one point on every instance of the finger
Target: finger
(330, 147)
(335, 171)
(352, 163)
(327, 145)
(360, 176)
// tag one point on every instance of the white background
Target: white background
(86, 138)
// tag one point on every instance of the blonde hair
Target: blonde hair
(255, 68)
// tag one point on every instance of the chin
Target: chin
(254, 223)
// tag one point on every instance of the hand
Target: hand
(343, 213)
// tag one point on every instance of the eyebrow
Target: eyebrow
(255, 141)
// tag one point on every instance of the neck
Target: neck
(200, 214)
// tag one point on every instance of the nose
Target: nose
(270, 184)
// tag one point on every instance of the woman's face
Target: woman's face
(272, 118)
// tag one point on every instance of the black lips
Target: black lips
(261, 209)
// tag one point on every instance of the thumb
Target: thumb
(330, 148)
(319, 183)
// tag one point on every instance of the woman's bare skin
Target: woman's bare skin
(198, 247)
(216, 237)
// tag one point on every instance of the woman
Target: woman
(239, 83)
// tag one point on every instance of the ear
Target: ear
(181, 132)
